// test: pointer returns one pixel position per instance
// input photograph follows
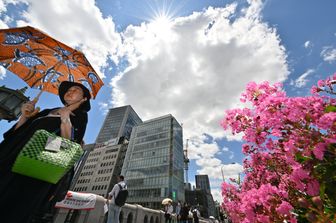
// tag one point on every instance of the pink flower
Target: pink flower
(319, 150)
(284, 137)
(314, 90)
(285, 208)
(321, 83)
(313, 188)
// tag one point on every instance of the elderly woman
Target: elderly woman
(22, 196)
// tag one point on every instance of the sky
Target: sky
(188, 58)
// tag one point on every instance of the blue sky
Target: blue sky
(189, 58)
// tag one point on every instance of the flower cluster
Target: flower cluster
(290, 155)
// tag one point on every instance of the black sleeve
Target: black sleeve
(12, 130)
(79, 122)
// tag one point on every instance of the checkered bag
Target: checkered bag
(36, 162)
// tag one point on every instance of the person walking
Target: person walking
(22, 196)
(184, 213)
(168, 212)
(178, 211)
(114, 210)
(196, 215)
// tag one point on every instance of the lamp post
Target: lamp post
(10, 103)
(223, 171)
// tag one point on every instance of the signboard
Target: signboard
(78, 201)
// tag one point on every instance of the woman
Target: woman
(168, 212)
(22, 196)
(184, 213)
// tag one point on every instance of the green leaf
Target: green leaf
(330, 108)
(300, 158)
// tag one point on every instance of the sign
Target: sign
(78, 201)
(174, 195)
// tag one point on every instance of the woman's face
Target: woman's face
(73, 95)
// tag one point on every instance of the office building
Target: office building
(118, 123)
(104, 161)
(203, 183)
(102, 166)
(197, 198)
(153, 165)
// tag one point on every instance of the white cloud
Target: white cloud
(328, 54)
(2, 72)
(103, 107)
(307, 44)
(193, 68)
(5, 19)
(78, 24)
(217, 170)
(302, 80)
(217, 195)
(2, 6)
(227, 150)
(196, 68)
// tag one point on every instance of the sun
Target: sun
(162, 14)
(162, 20)
(161, 26)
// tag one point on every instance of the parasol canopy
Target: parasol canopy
(166, 201)
(43, 62)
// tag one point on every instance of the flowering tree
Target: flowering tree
(290, 165)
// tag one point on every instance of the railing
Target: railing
(130, 213)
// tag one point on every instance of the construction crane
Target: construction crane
(186, 162)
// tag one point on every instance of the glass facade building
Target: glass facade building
(104, 159)
(118, 122)
(202, 182)
(153, 165)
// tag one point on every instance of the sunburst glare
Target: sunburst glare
(162, 14)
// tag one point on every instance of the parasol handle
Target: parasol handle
(35, 100)
(37, 109)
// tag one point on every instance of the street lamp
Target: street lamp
(10, 102)
(223, 171)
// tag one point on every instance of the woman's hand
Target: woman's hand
(66, 126)
(64, 112)
(28, 109)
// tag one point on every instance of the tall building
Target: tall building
(99, 173)
(153, 165)
(202, 182)
(103, 163)
(118, 122)
(197, 198)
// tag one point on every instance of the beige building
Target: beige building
(102, 166)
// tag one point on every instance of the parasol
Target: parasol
(43, 62)
(166, 201)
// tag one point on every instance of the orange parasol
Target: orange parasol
(43, 62)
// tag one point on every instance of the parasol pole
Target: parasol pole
(35, 100)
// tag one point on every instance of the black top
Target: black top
(22, 194)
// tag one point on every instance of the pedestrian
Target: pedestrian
(23, 196)
(178, 211)
(184, 213)
(114, 210)
(196, 215)
(168, 212)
